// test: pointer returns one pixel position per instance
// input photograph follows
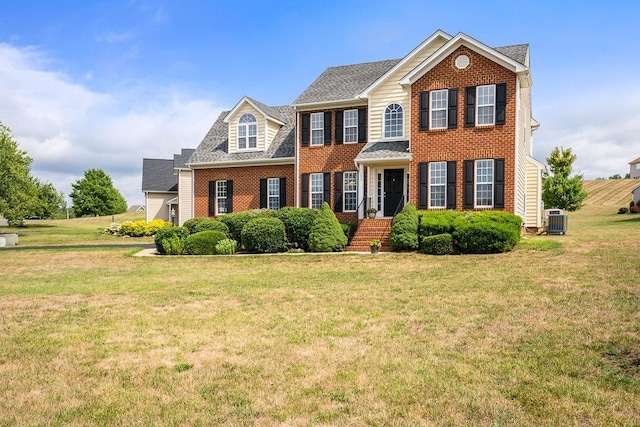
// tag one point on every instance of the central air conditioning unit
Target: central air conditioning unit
(556, 223)
(548, 212)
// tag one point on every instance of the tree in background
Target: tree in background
(95, 195)
(560, 189)
(49, 202)
(17, 190)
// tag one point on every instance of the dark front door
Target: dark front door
(393, 187)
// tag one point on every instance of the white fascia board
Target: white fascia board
(390, 161)
(246, 99)
(353, 102)
(243, 163)
(462, 39)
(403, 61)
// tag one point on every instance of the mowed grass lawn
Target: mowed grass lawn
(548, 334)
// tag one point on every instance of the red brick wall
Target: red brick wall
(246, 185)
(328, 158)
(488, 142)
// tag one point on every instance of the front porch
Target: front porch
(368, 230)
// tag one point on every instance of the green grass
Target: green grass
(547, 334)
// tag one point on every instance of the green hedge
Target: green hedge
(297, 223)
(196, 225)
(486, 232)
(264, 235)
(433, 223)
(170, 240)
(237, 220)
(326, 233)
(404, 230)
(441, 244)
(203, 242)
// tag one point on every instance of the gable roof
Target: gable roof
(157, 176)
(633, 162)
(180, 160)
(268, 112)
(214, 148)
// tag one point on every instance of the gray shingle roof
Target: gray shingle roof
(157, 175)
(517, 52)
(384, 150)
(344, 82)
(180, 160)
(270, 111)
(215, 145)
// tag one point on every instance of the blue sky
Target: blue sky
(102, 84)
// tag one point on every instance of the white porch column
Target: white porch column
(361, 190)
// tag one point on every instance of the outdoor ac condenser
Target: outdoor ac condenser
(557, 224)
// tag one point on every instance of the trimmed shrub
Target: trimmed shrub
(297, 223)
(196, 225)
(404, 230)
(623, 210)
(326, 233)
(203, 242)
(346, 229)
(441, 244)
(226, 247)
(170, 240)
(237, 220)
(475, 234)
(433, 223)
(153, 226)
(133, 229)
(264, 235)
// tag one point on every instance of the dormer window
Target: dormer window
(393, 121)
(247, 132)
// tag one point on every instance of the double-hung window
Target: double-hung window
(486, 105)
(484, 183)
(317, 190)
(273, 193)
(350, 126)
(438, 105)
(247, 132)
(437, 184)
(349, 190)
(221, 197)
(393, 121)
(317, 128)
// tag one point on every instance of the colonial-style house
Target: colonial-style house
(448, 126)
(634, 169)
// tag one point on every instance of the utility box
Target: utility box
(557, 224)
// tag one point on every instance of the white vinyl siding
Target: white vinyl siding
(438, 107)
(317, 190)
(317, 128)
(273, 193)
(260, 129)
(350, 191)
(350, 126)
(437, 184)
(185, 196)
(486, 105)
(484, 184)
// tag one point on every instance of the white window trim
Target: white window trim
(321, 129)
(321, 191)
(246, 126)
(219, 198)
(273, 197)
(350, 127)
(445, 109)
(478, 105)
(431, 164)
(344, 191)
(384, 122)
(476, 183)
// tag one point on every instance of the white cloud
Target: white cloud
(67, 128)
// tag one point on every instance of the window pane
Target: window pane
(393, 121)
(221, 197)
(350, 191)
(437, 184)
(484, 183)
(317, 128)
(317, 188)
(486, 104)
(351, 126)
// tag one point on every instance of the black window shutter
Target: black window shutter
(229, 196)
(498, 183)
(263, 193)
(305, 190)
(306, 129)
(423, 185)
(451, 185)
(424, 110)
(362, 125)
(326, 188)
(468, 184)
(212, 198)
(501, 103)
(470, 107)
(337, 193)
(283, 192)
(452, 113)
(339, 127)
(327, 128)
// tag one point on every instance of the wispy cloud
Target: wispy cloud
(115, 37)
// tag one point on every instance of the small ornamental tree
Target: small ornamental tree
(326, 232)
(404, 230)
(560, 189)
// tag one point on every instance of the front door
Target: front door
(393, 188)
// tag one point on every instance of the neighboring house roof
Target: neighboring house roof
(135, 208)
(344, 83)
(180, 160)
(633, 162)
(157, 175)
(384, 150)
(214, 148)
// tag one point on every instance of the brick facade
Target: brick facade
(465, 143)
(246, 185)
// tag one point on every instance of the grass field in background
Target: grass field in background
(548, 334)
